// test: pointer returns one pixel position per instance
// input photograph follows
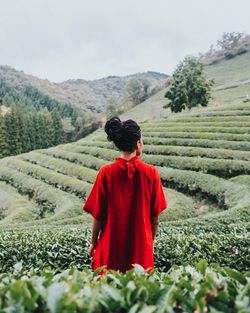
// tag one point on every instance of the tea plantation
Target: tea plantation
(202, 248)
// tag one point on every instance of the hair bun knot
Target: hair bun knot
(114, 128)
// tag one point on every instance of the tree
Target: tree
(111, 107)
(3, 145)
(13, 130)
(138, 90)
(68, 128)
(38, 131)
(229, 41)
(58, 128)
(189, 87)
(24, 133)
(49, 125)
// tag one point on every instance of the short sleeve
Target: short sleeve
(158, 201)
(97, 202)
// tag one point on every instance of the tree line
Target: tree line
(32, 120)
(30, 99)
(22, 132)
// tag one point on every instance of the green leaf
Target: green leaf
(138, 268)
(202, 266)
(236, 275)
(54, 296)
(148, 309)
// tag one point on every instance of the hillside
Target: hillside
(203, 157)
(89, 96)
(232, 85)
(213, 135)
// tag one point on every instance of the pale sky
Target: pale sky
(69, 39)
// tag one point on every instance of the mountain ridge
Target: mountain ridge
(88, 95)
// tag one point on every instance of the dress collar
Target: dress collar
(131, 160)
(128, 166)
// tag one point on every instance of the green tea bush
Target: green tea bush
(223, 144)
(60, 249)
(227, 194)
(85, 160)
(219, 167)
(212, 129)
(48, 197)
(216, 114)
(180, 150)
(197, 151)
(241, 179)
(197, 135)
(233, 117)
(15, 207)
(195, 123)
(60, 181)
(184, 288)
(60, 166)
(200, 288)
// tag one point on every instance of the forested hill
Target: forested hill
(44, 114)
(89, 96)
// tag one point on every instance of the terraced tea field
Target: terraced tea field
(203, 157)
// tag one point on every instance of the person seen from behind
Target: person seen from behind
(125, 202)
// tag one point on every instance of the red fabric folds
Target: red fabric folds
(125, 195)
(129, 166)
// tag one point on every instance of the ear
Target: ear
(137, 145)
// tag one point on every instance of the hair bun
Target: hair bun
(113, 128)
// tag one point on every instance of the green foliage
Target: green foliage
(35, 120)
(42, 193)
(61, 166)
(230, 40)
(87, 160)
(58, 129)
(228, 195)
(190, 87)
(63, 182)
(21, 132)
(197, 151)
(13, 131)
(113, 108)
(237, 51)
(51, 200)
(224, 144)
(30, 99)
(14, 207)
(60, 249)
(241, 179)
(219, 167)
(205, 129)
(196, 135)
(200, 288)
(138, 90)
(180, 150)
(3, 143)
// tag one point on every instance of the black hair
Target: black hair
(124, 134)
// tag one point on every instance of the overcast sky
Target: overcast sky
(62, 39)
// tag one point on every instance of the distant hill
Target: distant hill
(85, 94)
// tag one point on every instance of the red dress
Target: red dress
(125, 194)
